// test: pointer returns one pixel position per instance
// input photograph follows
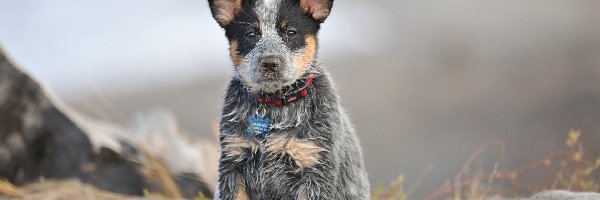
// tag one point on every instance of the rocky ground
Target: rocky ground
(43, 144)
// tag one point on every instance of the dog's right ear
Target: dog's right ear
(224, 11)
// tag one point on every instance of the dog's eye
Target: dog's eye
(291, 33)
(250, 34)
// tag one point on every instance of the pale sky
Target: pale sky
(71, 45)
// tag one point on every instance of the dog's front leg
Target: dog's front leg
(312, 167)
(235, 152)
(317, 180)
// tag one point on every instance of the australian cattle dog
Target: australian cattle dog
(283, 132)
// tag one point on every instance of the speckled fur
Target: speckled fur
(338, 172)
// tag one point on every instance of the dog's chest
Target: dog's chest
(277, 160)
(280, 162)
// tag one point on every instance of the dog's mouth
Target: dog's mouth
(270, 80)
(269, 75)
(272, 83)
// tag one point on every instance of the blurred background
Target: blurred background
(425, 82)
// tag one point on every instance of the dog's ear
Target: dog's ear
(224, 11)
(317, 9)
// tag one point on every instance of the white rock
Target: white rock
(565, 195)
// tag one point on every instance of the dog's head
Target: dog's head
(272, 42)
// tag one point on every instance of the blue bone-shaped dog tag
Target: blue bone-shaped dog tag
(258, 126)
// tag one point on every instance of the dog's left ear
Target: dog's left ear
(317, 9)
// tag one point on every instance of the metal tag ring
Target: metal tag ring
(261, 114)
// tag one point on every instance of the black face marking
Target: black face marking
(296, 20)
(245, 23)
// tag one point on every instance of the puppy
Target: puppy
(283, 132)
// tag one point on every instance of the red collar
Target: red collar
(288, 94)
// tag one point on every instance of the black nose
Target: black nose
(272, 63)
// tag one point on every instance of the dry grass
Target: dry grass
(56, 190)
(9, 190)
(576, 172)
(394, 192)
(156, 171)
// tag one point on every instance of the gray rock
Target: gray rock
(565, 195)
(41, 139)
